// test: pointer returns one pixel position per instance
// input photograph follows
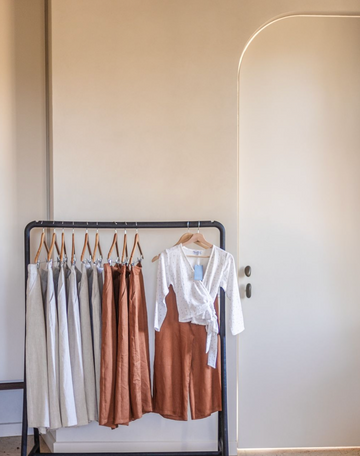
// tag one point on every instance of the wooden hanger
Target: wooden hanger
(198, 237)
(72, 247)
(114, 243)
(136, 243)
(62, 246)
(100, 251)
(46, 246)
(185, 237)
(124, 253)
(51, 248)
(58, 250)
(86, 244)
(42, 240)
(96, 246)
(117, 250)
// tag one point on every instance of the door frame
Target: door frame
(267, 24)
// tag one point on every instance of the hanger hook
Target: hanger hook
(115, 227)
(198, 227)
(97, 229)
(125, 227)
(188, 226)
(136, 227)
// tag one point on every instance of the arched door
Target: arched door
(299, 142)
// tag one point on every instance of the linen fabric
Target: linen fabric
(140, 385)
(67, 400)
(181, 370)
(52, 349)
(76, 357)
(195, 298)
(87, 345)
(123, 413)
(96, 294)
(36, 361)
(110, 298)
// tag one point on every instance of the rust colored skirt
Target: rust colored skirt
(123, 413)
(110, 298)
(181, 370)
(139, 358)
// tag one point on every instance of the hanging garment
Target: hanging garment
(67, 400)
(52, 349)
(122, 392)
(140, 386)
(96, 293)
(110, 298)
(181, 370)
(87, 345)
(195, 296)
(36, 362)
(76, 357)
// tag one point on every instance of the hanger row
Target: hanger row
(62, 253)
(186, 239)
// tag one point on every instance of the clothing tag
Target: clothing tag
(198, 272)
(197, 252)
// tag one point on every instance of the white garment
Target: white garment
(52, 348)
(76, 358)
(96, 297)
(87, 345)
(36, 363)
(195, 298)
(67, 400)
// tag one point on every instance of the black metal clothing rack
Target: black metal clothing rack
(223, 446)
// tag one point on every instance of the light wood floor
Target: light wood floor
(10, 446)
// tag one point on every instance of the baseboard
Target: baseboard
(323, 451)
(131, 447)
(11, 429)
(49, 439)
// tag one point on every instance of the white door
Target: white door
(299, 219)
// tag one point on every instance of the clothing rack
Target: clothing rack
(223, 445)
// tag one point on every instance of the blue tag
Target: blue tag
(198, 273)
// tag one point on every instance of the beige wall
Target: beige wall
(22, 176)
(145, 128)
(144, 100)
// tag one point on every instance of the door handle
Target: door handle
(247, 271)
(248, 290)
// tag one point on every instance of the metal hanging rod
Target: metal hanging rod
(112, 225)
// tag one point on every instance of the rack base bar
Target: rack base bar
(223, 445)
(183, 453)
(11, 385)
(36, 450)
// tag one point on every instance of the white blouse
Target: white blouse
(195, 298)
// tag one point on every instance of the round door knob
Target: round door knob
(248, 290)
(248, 271)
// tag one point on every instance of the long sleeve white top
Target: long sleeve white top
(195, 298)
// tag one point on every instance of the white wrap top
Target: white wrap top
(195, 298)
